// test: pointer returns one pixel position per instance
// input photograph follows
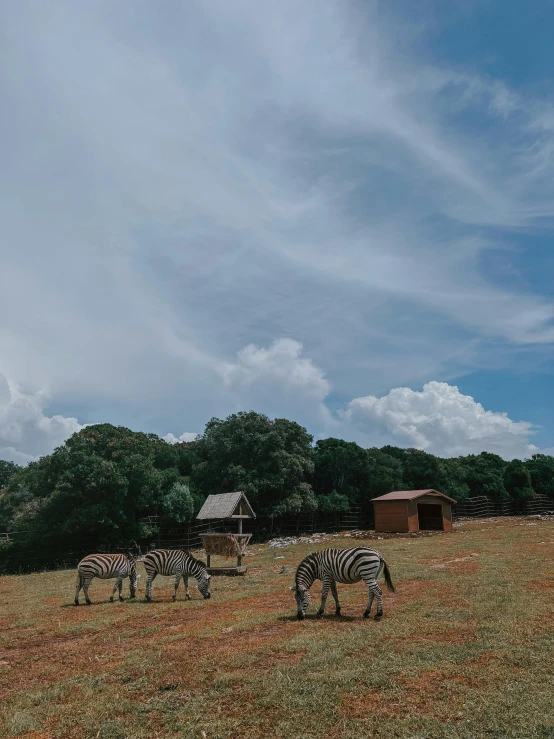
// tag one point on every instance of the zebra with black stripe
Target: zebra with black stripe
(106, 566)
(344, 566)
(176, 562)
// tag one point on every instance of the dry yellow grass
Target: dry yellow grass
(465, 649)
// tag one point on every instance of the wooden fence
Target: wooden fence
(483, 507)
(166, 535)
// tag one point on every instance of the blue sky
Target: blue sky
(339, 213)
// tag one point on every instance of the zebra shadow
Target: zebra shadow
(126, 602)
(313, 617)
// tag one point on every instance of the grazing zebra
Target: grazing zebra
(106, 566)
(340, 565)
(179, 563)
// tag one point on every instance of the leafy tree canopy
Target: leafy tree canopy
(333, 503)
(541, 471)
(341, 466)
(7, 470)
(385, 472)
(485, 475)
(517, 481)
(268, 460)
(94, 487)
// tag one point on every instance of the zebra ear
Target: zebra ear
(292, 587)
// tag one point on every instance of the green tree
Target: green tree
(517, 481)
(421, 470)
(269, 460)
(333, 503)
(7, 471)
(453, 479)
(541, 470)
(341, 466)
(95, 487)
(178, 504)
(485, 475)
(385, 473)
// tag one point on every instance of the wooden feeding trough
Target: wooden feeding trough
(226, 507)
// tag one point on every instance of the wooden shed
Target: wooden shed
(413, 510)
(226, 506)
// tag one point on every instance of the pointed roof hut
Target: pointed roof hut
(225, 507)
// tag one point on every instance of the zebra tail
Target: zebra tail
(388, 579)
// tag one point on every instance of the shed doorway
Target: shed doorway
(430, 517)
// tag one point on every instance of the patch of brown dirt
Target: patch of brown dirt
(388, 705)
(456, 635)
(541, 584)
(464, 568)
(279, 658)
(433, 693)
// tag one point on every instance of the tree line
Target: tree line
(102, 483)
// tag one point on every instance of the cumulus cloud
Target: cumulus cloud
(26, 432)
(279, 380)
(442, 421)
(185, 436)
(280, 364)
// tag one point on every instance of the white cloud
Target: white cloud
(281, 364)
(26, 433)
(278, 381)
(185, 436)
(221, 174)
(442, 421)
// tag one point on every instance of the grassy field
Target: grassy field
(465, 649)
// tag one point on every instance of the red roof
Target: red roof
(411, 494)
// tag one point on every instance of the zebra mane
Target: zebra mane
(307, 560)
(196, 561)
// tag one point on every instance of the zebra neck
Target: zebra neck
(195, 569)
(308, 572)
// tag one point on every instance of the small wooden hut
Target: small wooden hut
(413, 510)
(224, 507)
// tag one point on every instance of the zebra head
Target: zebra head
(203, 582)
(200, 572)
(302, 595)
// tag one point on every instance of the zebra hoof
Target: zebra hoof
(189, 597)
(89, 602)
(319, 614)
(377, 617)
(366, 615)
(111, 598)
(337, 612)
(121, 599)
(76, 602)
(174, 598)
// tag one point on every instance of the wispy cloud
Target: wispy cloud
(178, 186)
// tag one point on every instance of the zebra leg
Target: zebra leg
(78, 588)
(379, 593)
(149, 581)
(118, 586)
(336, 597)
(86, 586)
(177, 580)
(186, 581)
(121, 589)
(374, 590)
(326, 584)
